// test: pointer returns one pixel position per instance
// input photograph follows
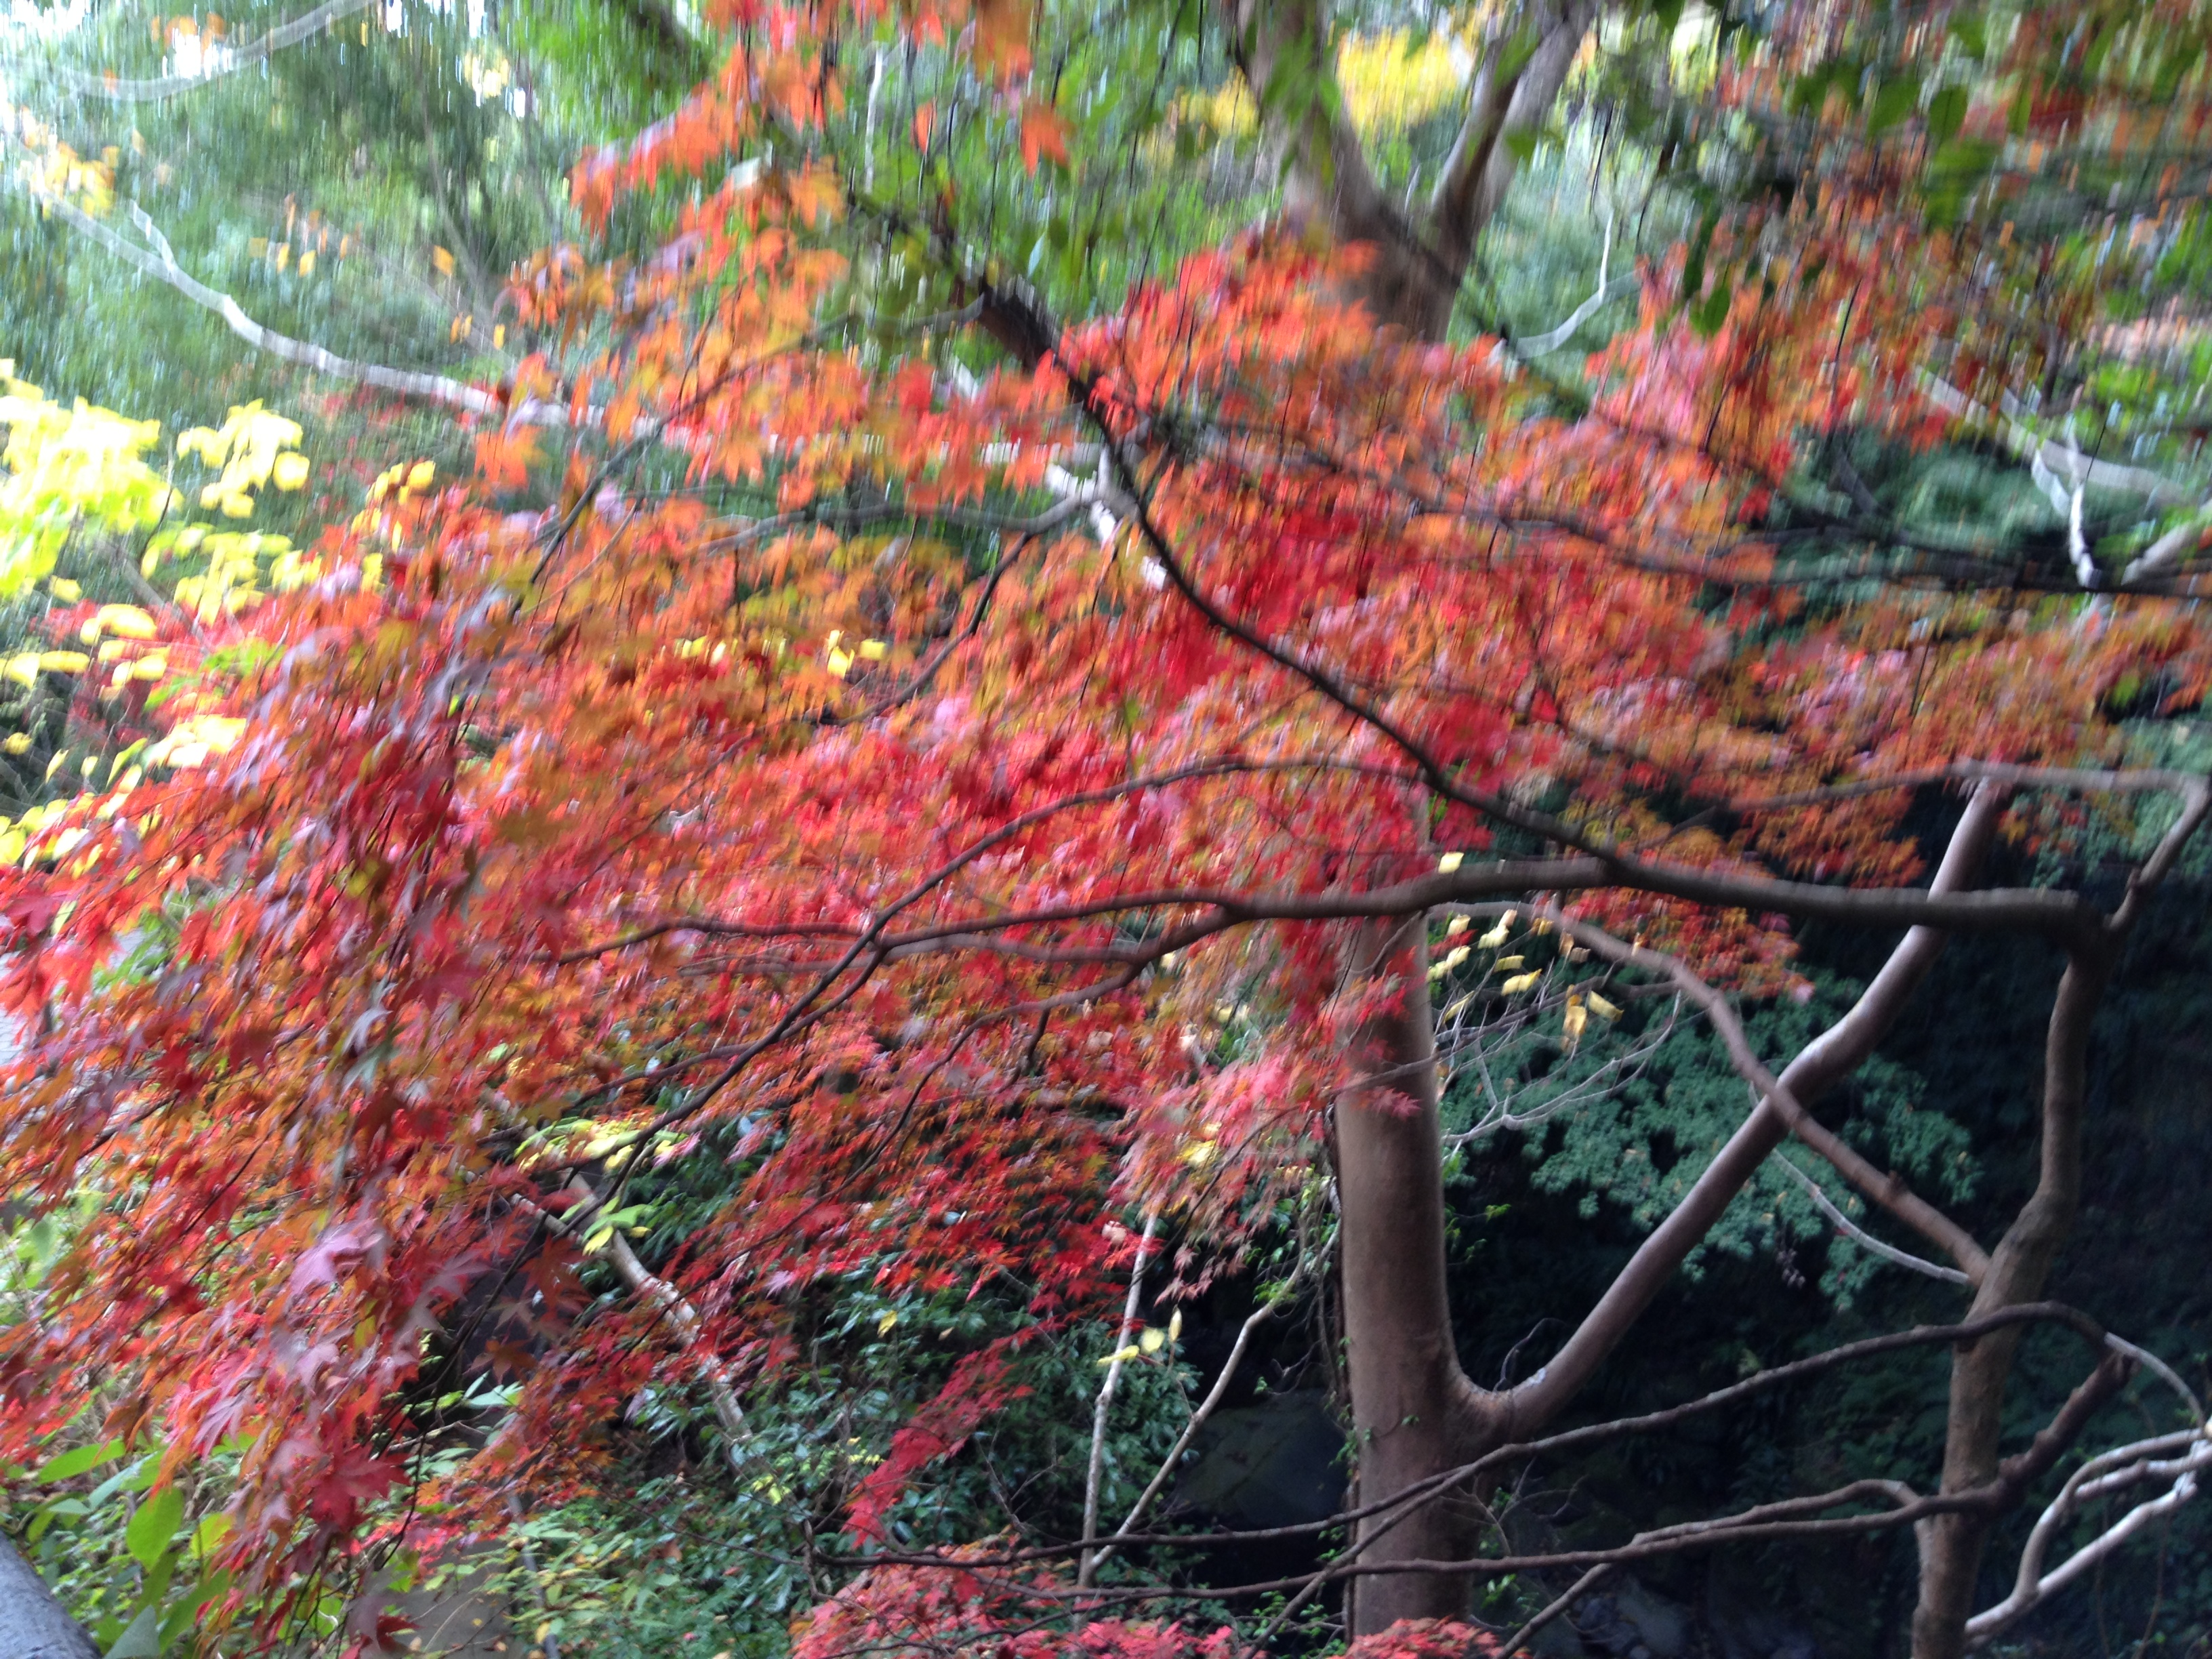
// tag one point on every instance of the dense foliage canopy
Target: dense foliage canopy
(1031, 669)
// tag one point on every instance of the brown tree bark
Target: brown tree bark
(1415, 1413)
(1408, 1390)
(1952, 1546)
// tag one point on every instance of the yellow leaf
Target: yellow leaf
(1509, 961)
(55, 764)
(1153, 1340)
(884, 1324)
(874, 650)
(1496, 936)
(12, 846)
(24, 669)
(1577, 1017)
(1451, 861)
(1132, 1351)
(290, 471)
(1174, 1326)
(1455, 926)
(18, 743)
(128, 619)
(420, 474)
(308, 262)
(65, 590)
(1600, 1005)
(150, 668)
(1519, 983)
(443, 261)
(63, 662)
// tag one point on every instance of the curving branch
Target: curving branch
(155, 88)
(674, 1308)
(1886, 1191)
(2113, 1471)
(1859, 1236)
(160, 262)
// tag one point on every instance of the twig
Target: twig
(1863, 1239)
(1088, 1568)
(1206, 1408)
(682, 1318)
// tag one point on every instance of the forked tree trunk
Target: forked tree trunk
(1415, 1413)
(1951, 1546)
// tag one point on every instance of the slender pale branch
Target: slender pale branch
(1214, 1396)
(158, 263)
(1094, 1475)
(1865, 1240)
(235, 58)
(681, 1318)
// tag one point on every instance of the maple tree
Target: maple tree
(983, 810)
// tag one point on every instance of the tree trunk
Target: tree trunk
(1407, 1387)
(1951, 1544)
(32, 1625)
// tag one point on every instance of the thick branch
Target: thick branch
(1506, 101)
(1828, 1059)
(32, 1625)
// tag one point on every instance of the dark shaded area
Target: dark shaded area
(2137, 1262)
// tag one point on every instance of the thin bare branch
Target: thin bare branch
(1094, 1477)
(234, 57)
(1859, 1236)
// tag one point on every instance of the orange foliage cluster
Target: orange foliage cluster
(905, 838)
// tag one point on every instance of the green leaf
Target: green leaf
(1971, 32)
(1947, 113)
(153, 1525)
(1953, 171)
(1709, 313)
(1515, 52)
(1693, 265)
(1897, 99)
(141, 1637)
(78, 1461)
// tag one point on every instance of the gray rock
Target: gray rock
(32, 1625)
